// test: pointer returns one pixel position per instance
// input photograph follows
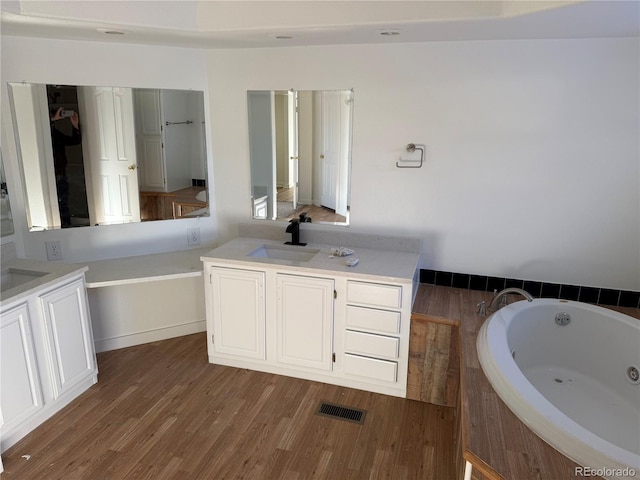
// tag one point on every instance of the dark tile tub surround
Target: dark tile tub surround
(603, 296)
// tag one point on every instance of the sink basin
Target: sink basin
(284, 252)
(14, 277)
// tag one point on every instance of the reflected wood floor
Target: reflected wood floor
(317, 213)
(161, 411)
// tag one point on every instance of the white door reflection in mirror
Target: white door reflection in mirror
(110, 159)
(335, 118)
(150, 143)
(262, 147)
(292, 133)
(300, 147)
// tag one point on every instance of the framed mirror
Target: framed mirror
(94, 155)
(300, 151)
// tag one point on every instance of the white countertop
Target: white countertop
(145, 268)
(55, 272)
(387, 265)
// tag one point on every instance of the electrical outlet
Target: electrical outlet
(193, 236)
(54, 250)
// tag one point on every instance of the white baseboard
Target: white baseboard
(139, 338)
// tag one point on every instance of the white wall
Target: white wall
(281, 104)
(533, 152)
(262, 148)
(87, 63)
(180, 140)
(305, 148)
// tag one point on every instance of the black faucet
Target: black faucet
(294, 229)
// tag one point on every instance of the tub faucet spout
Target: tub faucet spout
(495, 302)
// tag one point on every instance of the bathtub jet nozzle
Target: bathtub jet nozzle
(563, 319)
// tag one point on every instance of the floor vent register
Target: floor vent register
(341, 412)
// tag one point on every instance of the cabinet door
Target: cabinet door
(69, 339)
(238, 312)
(305, 321)
(21, 393)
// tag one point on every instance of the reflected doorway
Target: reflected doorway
(300, 145)
(68, 157)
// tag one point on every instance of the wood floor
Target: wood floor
(317, 213)
(161, 411)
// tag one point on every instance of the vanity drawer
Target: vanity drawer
(371, 344)
(363, 318)
(375, 294)
(370, 368)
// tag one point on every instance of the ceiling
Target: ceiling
(260, 23)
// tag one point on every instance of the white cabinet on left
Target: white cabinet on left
(47, 356)
(69, 340)
(20, 390)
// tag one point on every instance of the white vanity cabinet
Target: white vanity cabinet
(299, 323)
(313, 318)
(47, 355)
(70, 350)
(20, 388)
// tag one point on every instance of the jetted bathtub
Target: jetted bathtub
(571, 372)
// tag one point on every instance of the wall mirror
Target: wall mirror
(300, 150)
(93, 155)
(6, 220)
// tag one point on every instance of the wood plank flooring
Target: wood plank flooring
(161, 411)
(317, 213)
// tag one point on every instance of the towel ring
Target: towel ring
(412, 147)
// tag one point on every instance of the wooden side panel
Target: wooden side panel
(433, 363)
